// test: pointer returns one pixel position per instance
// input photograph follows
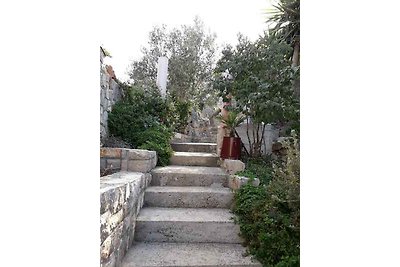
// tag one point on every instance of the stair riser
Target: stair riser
(188, 199)
(187, 232)
(179, 179)
(194, 161)
(204, 140)
(194, 148)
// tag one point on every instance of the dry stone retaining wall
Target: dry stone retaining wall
(110, 93)
(121, 198)
(124, 159)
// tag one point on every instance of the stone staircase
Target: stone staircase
(186, 218)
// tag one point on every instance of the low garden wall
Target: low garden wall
(121, 198)
(235, 182)
(124, 159)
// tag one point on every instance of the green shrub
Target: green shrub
(142, 119)
(258, 168)
(262, 169)
(269, 215)
(183, 112)
(138, 111)
(157, 138)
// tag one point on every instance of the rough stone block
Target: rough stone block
(148, 177)
(154, 162)
(110, 263)
(104, 204)
(140, 154)
(124, 153)
(103, 163)
(106, 249)
(105, 230)
(233, 166)
(140, 165)
(107, 152)
(115, 203)
(235, 182)
(114, 163)
(115, 219)
(124, 165)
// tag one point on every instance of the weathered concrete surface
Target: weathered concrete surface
(188, 254)
(188, 197)
(186, 225)
(188, 176)
(195, 147)
(194, 159)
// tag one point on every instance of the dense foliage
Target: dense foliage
(180, 111)
(260, 78)
(260, 168)
(269, 215)
(157, 138)
(143, 120)
(286, 19)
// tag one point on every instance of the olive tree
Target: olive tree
(191, 53)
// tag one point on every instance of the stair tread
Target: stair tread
(189, 189)
(194, 154)
(185, 214)
(187, 254)
(190, 170)
(195, 144)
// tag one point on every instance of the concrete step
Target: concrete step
(188, 197)
(211, 139)
(194, 159)
(190, 255)
(195, 147)
(186, 225)
(188, 176)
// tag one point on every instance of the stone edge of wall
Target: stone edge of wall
(235, 181)
(124, 159)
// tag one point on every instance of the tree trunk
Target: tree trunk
(296, 63)
(296, 54)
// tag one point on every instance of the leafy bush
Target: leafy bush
(182, 110)
(269, 215)
(138, 111)
(142, 119)
(262, 169)
(157, 138)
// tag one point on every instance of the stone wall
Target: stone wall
(121, 198)
(124, 159)
(110, 93)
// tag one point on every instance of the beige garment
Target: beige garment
(222, 131)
